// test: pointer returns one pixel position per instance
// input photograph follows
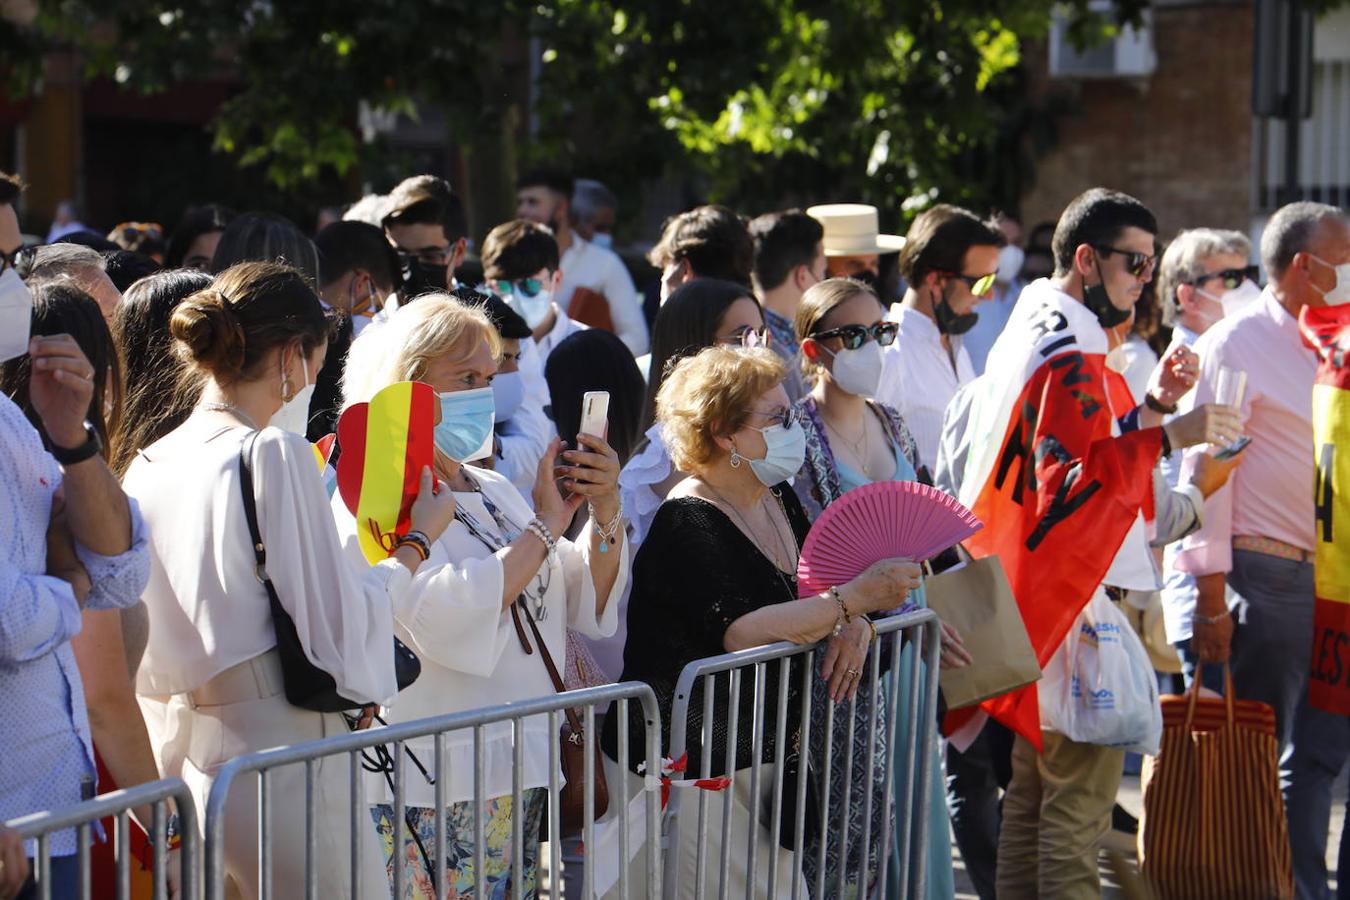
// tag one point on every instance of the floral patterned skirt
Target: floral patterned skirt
(418, 853)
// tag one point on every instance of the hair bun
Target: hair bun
(209, 334)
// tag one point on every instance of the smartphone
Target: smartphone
(1234, 448)
(595, 413)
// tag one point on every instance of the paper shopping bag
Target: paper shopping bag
(977, 601)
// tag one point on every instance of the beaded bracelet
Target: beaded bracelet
(541, 531)
(418, 541)
(844, 618)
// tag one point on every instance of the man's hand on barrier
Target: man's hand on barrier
(13, 864)
(954, 653)
(846, 660)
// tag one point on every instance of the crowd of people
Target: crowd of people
(163, 390)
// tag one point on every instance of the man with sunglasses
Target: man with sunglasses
(1260, 534)
(1204, 277)
(1058, 468)
(949, 263)
(520, 265)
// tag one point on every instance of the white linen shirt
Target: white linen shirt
(207, 611)
(918, 380)
(453, 619)
(599, 269)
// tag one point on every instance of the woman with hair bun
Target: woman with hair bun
(211, 682)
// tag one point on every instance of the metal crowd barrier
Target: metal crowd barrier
(307, 754)
(118, 804)
(916, 711)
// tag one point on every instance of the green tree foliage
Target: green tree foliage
(753, 101)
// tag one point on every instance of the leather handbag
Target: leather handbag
(571, 740)
(305, 684)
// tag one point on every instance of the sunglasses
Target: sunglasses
(747, 337)
(20, 260)
(854, 336)
(526, 287)
(785, 417)
(1137, 264)
(1232, 278)
(427, 256)
(979, 284)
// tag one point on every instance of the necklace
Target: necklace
(230, 408)
(750, 532)
(862, 453)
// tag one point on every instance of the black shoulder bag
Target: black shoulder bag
(307, 686)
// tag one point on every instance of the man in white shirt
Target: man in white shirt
(520, 265)
(594, 211)
(949, 263)
(596, 288)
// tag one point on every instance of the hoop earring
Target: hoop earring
(735, 458)
(287, 395)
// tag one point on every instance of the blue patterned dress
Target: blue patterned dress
(821, 481)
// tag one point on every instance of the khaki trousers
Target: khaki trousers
(1056, 811)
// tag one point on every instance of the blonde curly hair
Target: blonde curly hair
(710, 395)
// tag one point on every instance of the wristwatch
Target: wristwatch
(69, 456)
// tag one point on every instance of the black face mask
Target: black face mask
(1096, 299)
(422, 279)
(948, 321)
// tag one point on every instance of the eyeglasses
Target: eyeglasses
(854, 336)
(526, 287)
(747, 337)
(1232, 278)
(786, 417)
(427, 256)
(979, 284)
(1137, 264)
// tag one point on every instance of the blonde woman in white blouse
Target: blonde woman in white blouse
(458, 616)
(210, 682)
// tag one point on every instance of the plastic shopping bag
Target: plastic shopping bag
(1099, 687)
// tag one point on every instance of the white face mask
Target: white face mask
(1232, 302)
(16, 315)
(603, 239)
(1010, 260)
(294, 413)
(534, 310)
(1339, 295)
(858, 371)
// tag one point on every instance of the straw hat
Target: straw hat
(851, 229)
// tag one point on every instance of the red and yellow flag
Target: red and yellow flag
(1327, 330)
(1059, 489)
(384, 446)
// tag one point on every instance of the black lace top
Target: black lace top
(694, 575)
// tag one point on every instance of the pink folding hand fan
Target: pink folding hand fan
(883, 520)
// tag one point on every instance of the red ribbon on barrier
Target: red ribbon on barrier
(679, 766)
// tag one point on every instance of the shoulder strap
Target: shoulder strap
(517, 610)
(251, 514)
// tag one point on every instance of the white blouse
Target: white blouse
(207, 611)
(453, 618)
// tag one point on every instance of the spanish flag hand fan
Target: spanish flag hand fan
(385, 445)
(882, 520)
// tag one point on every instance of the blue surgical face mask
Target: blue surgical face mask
(508, 391)
(785, 453)
(465, 429)
(603, 239)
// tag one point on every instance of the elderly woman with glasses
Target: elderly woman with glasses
(852, 440)
(717, 573)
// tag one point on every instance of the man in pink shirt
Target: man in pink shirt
(1259, 530)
